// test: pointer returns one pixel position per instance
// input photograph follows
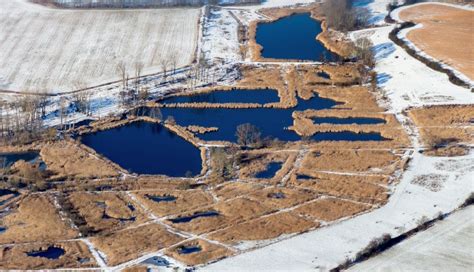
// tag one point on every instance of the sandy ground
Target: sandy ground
(50, 50)
(426, 251)
(446, 34)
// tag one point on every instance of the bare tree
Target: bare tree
(122, 71)
(248, 135)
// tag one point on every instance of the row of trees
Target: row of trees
(138, 3)
(343, 16)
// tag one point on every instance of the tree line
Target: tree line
(139, 3)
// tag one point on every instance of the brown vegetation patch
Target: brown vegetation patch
(36, 219)
(230, 212)
(76, 255)
(358, 188)
(208, 252)
(376, 161)
(131, 243)
(442, 127)
(451, 25)
(268, 227)
(330, 209)
(281, 197)
(67, 159)
(186, 200)
(236, 189)
(106, 212)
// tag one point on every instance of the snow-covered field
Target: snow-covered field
(426, 251)
(49, 50)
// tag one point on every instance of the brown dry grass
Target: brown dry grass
(209, 252)
(35, 219)
(446, 34)
(230, 212)
(359, 188)
(264, 228)
(376, 161)
(106, 212)
(280, 197)
(66, 159)
(76, 255)
(441, 123)
(129, 244)
(330, 209)
(256, 162)
(185, 201)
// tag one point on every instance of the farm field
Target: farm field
(55, 51)
(444, 30)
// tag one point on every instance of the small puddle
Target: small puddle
(188, 249)
(293, 37)
(348, 121)
(8, 159)
(2, 229)
(303, 177)
(147, 148)
(277, 195)
(4, 192)
(50, 253)
(271, 170)
(324, 75)
(164, 198)
(186, 219)
(348, 136)
(263, 96)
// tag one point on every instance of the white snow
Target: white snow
(52, 50)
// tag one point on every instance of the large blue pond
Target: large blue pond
(232, 96)
(147, 148)
(272, 122)
(293, 37)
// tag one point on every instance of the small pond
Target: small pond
(8, 159)
(50, 253)
(293, 37)
(147, 148)
(348, 121)
(188, 249)
(233, 96)
(158, 199)
(271, 170)
(348, 136)
(186, 219)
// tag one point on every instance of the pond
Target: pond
(270, 171)
(186, 219)
(158, 199)
(293, 37)
(147, 148)
(50, 253)
(188, 249)
(348, 136)
(272, 122)
(263, 96)
(8, 159)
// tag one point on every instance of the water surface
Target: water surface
(147, 148)
(50, 253)
(233, 96)
(293, 37)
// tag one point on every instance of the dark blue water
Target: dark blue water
(8, 159)
(50, 253)
(165, 198)
(348, 136)
(303, 177)
(2, 230)
(324, 75)
(272, 168)
(293, 37)
(233, 96)
(147, 148)
(186, 219)
(350, 120)
(4, 192)
(188, 249)
(271, 121)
